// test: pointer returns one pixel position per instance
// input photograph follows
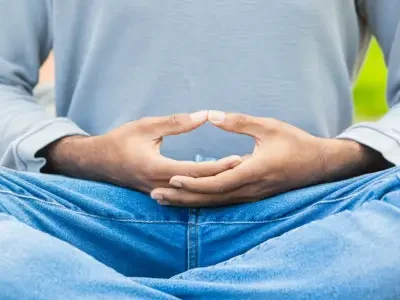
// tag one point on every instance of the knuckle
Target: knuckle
(175, 120)
(194, 174)
(240, 120)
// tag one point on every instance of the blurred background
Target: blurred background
(369, 90)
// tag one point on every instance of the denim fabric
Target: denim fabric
(66, 238)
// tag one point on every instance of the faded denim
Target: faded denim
(66, 238)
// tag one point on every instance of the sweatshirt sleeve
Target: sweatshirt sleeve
(383, 19)
(25, 42)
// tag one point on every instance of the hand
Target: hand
(130, 156)
(284, 158)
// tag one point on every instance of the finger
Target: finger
(241, 123)
(246, 157)
(151, 185)
(220, 183)
(165, 168)
(146, 187)
(178, 197)
(174, 124)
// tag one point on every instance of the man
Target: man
(306, 226)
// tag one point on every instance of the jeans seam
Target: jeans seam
(57, 205)
(196, 226)
(360, 191)
(164, 221)
(278, 219)
(192, 242)
(188, 244)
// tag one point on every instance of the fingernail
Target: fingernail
(163, 202)
(175, 183)
(157, 197)
(215, 116)
(199, 116)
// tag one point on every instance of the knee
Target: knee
(25, 250)
(372, 280)
(34, 261)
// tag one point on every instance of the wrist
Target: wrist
(343, 158)
(66, 156)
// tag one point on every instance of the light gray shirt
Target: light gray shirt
(118, 61)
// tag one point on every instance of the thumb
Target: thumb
(238, 123)
(177, 123)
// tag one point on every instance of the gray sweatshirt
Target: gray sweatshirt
(118, 61)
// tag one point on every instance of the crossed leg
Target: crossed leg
(344, 252)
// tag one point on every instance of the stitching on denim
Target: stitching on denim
(299, 212)
(197, 245)
(362, 190)
(278, 219)
(30, 197)
(163, 221)
(294, 230)
(188, 243)
(192, 250)
(187, 223)
(87, 214)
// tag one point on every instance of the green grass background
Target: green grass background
(370, 88)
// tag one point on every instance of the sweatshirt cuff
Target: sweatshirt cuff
(25, 148)
(388, 145)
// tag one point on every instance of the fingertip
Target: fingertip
(235, 163)
(232, 160)
(164, 203)
(156, 195)
(236, 157)
(200, 116)
(216, 117)
(176, 182)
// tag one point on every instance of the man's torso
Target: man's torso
(118, 61)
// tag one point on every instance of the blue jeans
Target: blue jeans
(64, 238)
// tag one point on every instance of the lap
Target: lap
(349, 255)
(227, 232)
(339, 257)
(36, 265)
(319, 240)
(134, 235)
(124, 229)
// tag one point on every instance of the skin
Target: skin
(284, 158)
(129, 156)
